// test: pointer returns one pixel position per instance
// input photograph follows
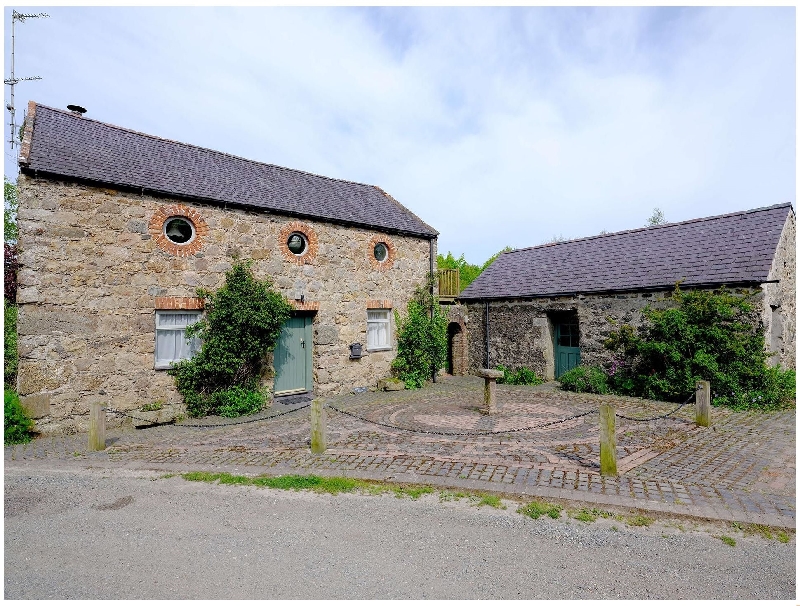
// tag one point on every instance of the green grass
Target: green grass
(638, 520)
(764, 531)
(589, 515)
(491, 500)
(728, 540)
(412, 492)
(335, 485)
(290, 482)
(536, 509)
(446, 495)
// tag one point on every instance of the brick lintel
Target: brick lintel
(179, 303)
(305, 305)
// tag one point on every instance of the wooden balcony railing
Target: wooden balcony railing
(449, 285)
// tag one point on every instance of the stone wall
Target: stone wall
(521, 332)
(779, 313)
(91, 269)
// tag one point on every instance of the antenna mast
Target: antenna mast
(15, 16)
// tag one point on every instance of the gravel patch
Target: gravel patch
(127, 534)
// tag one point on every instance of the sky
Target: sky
(498, 127)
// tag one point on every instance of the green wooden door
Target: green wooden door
(567, 350)
(293, 357)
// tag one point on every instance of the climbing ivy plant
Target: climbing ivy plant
(421, 338)
(242, 323)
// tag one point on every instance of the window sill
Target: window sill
(379, 349)
(164, 365)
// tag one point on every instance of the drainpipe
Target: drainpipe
(487, 333)
(433, 302)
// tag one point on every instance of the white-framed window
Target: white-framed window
(379, 329)
(171, 342)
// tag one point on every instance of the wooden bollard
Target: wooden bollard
(608, 440)
(702, 399)
(97, 426)
(319, 438)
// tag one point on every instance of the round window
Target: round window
(179, 230)
(381, 252)
(297, 243)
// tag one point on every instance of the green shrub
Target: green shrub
(704, 335)
(243, 322)
(10, 355)
(522, 376)
(237, 401)
(17, 427)
(585, 379)
(421, 339)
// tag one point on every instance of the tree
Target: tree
(657, 218)
(467, 271)
(11, 203)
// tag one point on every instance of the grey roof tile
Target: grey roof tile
(732, 248)
(68, 145)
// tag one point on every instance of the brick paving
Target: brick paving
(743, 468)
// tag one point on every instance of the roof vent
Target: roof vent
(76, 109)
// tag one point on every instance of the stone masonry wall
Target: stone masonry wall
(91, 270)
(779, 313)
(521, 332)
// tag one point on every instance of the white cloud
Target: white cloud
(496, 126)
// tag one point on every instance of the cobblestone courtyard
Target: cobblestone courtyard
(742, 468)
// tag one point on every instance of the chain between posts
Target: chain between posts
(469, 433)
(664, 416)
(209, 426)
(422, 431)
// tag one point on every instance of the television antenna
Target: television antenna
(21, 17)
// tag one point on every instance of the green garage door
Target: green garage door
(567, 350)
(293, 357)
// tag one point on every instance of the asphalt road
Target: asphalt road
(123, 534)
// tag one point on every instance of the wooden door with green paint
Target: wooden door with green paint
(292, 357)
(567, 347)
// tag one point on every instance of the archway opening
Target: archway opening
(456, 349)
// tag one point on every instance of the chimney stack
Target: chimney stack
(76, 109)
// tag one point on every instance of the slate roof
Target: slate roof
(67, 145)
(736, 248)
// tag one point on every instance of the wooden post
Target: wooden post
(97, 426)
(703, 404)
(319, 438)
(608, 440)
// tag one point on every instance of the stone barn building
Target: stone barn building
(117, 230)
(551, 307)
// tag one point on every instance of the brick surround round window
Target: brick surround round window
(178, 230)
(298, 243)
(381, 252)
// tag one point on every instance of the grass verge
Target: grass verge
(336, 485)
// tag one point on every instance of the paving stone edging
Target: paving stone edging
(741, 470)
